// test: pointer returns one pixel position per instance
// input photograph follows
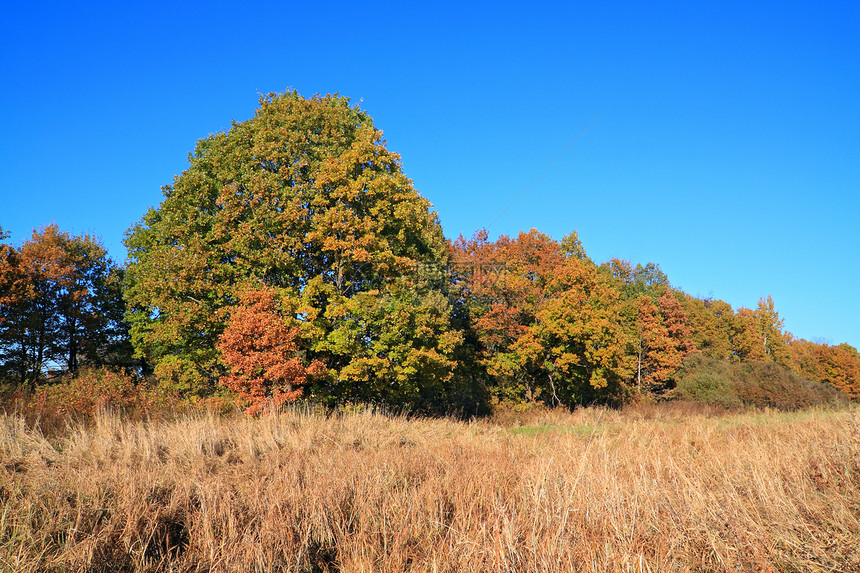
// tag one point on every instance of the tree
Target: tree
(677, 324)
(664, 342)
(571, 246)
(62, 305)
(746, 341)
(758, 335)
(635, 281)
(841, 368)
(547, 322)
(769, 326)
(304, 197)
(655, 361)
(505, 287)
(579, 343)
(260, 348)
(804, 358)
(711, 324)
(837, 365)
(13, 364)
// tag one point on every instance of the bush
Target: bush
(708, 388)
(755, 384)
(767, 384)
(92, 390)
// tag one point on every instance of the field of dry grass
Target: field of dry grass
(595, 490)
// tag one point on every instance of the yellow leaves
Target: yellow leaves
(598, 381)
(546, 317)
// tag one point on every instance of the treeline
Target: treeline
(551, 324)
(293, 258)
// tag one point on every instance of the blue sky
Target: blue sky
(726, 147)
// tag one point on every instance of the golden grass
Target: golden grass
(590, 491)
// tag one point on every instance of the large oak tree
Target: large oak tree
(304, 198)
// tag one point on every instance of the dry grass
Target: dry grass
(590, 491)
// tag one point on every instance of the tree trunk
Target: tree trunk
(73, 346)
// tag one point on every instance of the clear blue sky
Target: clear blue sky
(727, 147)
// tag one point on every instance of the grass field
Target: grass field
(594, 490)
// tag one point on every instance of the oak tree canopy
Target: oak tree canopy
(304, 198)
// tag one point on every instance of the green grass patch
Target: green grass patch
(581, 430)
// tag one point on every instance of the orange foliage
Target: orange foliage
(838, 365)
(665, 340)
(548, 327)
(676, 323)
(60, 304)
(841, 368)
(93, 390)
(261, 351)
(804, 358)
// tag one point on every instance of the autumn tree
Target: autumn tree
(260, 348)
(711, 324)
(303, 197)
(769, 328)
(676, 322)
(837, 365)
(634, 282)
(664, 341)
(571, 246)
(11, 296)
(840, 367)
(746, 341)
(61, 305)
(804, 358)
(757, 334)
(39, 273)
(655, 363)
(505, 287)
(578, 344)
(547, 321)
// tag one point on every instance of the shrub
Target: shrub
(92, 390)
(767, 384)
(708, 388)
(757, 384)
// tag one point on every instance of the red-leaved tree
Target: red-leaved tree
(262, 353)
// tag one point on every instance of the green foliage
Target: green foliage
(393, 346)
(767, 384)
(634, 282)
(708, 381)
(303, 197)
(762, 384)
(293, 258)
(547, 323)
(769, 328)
(579, 343)
(571, 246)
(712, 323)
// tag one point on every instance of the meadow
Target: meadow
(641, 489)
